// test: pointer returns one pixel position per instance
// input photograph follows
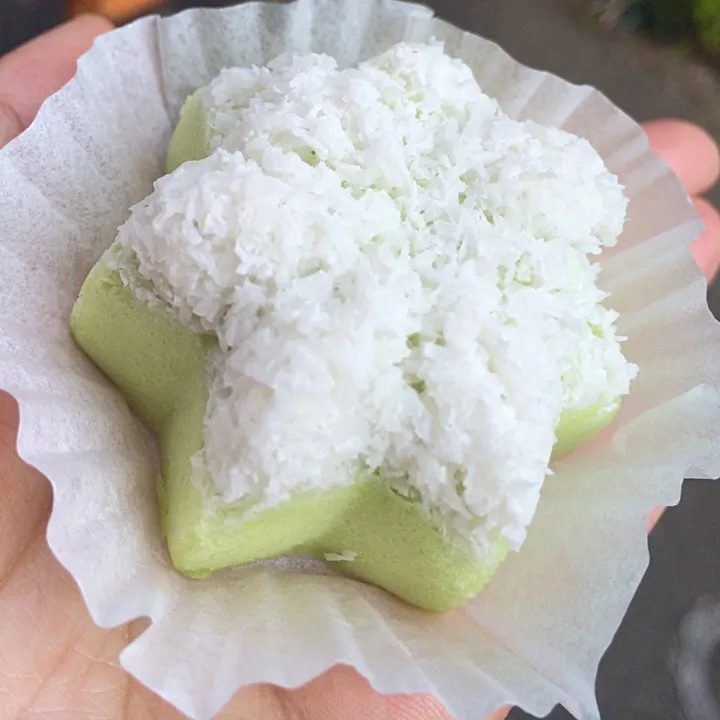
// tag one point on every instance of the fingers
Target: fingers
(340, 694)
(689, 150)
(343, 694)
(10, 124)
(694, 157)
(119, 10)
(26, 496)
(706, 249)
(36, 70)
(654, 518)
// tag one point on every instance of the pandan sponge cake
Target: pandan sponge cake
(360, 316)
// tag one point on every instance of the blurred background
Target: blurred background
(654, 58)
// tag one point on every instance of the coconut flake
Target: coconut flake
(345, 556)
(399, 279)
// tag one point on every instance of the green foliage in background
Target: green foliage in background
(706, 14)
(668, 21)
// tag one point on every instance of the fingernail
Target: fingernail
(10, 125)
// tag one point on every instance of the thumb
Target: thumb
(343, 694)
(10, 124)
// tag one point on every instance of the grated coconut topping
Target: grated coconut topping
(400, 280)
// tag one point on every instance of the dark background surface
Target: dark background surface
(21, 20)
(637, 676)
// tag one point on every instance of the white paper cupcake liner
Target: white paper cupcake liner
(535, 636)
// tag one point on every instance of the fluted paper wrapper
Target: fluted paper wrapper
(535, 636)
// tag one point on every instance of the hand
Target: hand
(53, 660)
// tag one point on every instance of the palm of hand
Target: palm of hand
(53, 659)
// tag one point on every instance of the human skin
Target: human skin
(54, 662)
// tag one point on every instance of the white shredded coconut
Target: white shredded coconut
(399, 278)
(345, 556)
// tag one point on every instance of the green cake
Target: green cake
(378, 526)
